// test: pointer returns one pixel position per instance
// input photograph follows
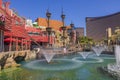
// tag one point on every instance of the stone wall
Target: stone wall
(13, 58)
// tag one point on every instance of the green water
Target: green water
(88, 71)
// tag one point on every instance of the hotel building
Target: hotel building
(97, 27)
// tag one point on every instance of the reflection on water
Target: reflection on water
(88, 71)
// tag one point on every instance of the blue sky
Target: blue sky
(75, 10)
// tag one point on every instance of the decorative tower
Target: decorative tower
(48, 29)
(63, 27)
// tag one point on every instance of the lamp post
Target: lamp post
(63, 28)
(48, 29)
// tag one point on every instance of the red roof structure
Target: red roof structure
(17, 31)
(55, 24)
(40, 37)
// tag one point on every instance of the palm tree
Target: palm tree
(86, 42)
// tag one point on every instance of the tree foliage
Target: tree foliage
(85, 40)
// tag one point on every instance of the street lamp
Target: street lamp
(63, 28)
(48, 29)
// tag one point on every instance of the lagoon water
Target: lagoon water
(71, 67)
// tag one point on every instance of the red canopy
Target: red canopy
(12, 39)
(17, 31)
(9, 39)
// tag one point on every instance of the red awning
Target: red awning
(17, 31)
(19, 41)
(26, 43)
(9, 39)
(12, 39)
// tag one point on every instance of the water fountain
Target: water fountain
(60, 68)
(88, 60)
(117, 55)
(115, 68)
(52, 64)
(48, 54)
(98, 50)
(56, 65)
(84, 54)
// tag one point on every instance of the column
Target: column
(0, 40)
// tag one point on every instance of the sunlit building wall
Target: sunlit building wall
(96, 26)
(109, 32)
(55, 25)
